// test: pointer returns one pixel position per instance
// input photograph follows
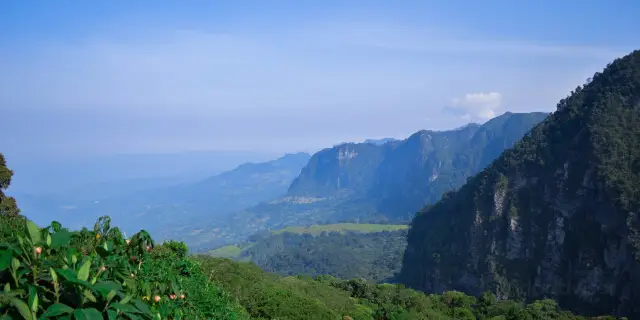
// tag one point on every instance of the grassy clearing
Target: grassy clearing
(234, 251)
(342, 228)
(230, 251)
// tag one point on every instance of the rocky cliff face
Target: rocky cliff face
(398, 178)
(554, 217)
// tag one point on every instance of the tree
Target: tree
(8, 206)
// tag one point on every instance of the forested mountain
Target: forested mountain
(374, 182)
(556, 216)
(348, 251)
(56, 273)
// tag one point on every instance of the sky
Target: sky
(112, 77)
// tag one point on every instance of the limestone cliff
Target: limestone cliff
(556, 216)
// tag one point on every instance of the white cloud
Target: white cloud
(480, 106)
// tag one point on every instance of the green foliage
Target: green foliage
(374, 256)
(10, 220)
(267, 296)
(550, 212)
(58, 274)
(317, 229)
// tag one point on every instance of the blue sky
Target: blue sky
(107, 77)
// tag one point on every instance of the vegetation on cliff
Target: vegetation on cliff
(555, 216)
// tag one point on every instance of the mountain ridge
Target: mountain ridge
(364, 183)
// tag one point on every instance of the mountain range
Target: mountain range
(374, 182)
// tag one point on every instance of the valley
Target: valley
(174, 161)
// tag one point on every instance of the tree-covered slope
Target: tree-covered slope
(366, 251)
(268, 296)
(556, 216)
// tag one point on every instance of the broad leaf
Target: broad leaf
(113, 315)
(87, 314)
(67, 274)
(142, 306)
(33, 299)
(60, 239)
(124, 307)
(56, 310)
(34, 232)
(132, 316)
(83, 273)
(106, 287)
(22, 308)
(5, 259)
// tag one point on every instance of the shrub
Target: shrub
(58, 274)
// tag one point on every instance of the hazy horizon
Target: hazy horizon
(119, 77)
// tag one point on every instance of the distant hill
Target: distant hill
(177, 210)
(372, 183)
(61, 174)
(369, 251)
(554, 217)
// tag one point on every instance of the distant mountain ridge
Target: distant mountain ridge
(171, 210)
(376, 183)
(400, 177)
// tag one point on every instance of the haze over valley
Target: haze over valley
(254, 160)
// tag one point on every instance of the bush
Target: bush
(58, 274)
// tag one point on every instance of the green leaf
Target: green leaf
(87, 314)
(34, 232)
(111, 295)
(15, 264)
(87, 294)
(124, 307)
(57, 309)
(104, 253)
(106, 287)
(142, 306)
(83, 273)
(5, 259)
(7, 287)
(60, 239)
(126, 299)
(68, 274)
(22, 308)
(132, 316)
(6, 317)
(33, 299)
(48, 241)
(113, 315)
(54, 275)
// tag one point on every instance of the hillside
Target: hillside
(376, 183)
(374, 252)
(553, 217)
(55, 273)
(267, 296)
